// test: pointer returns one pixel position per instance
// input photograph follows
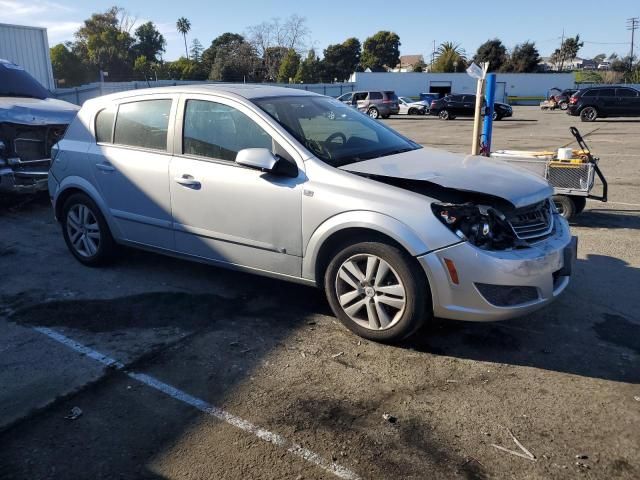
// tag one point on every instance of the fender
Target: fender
(87, 188)
(375, 221)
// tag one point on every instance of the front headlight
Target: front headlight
(481, 225)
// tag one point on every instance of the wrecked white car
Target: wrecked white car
(31, 122)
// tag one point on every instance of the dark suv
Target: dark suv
(599, 102)
(453, 106)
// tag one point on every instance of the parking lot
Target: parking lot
(181, 370)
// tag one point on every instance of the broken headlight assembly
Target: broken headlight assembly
(481, 225)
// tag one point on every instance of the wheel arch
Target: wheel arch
(352, 227)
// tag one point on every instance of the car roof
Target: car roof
(243, 90)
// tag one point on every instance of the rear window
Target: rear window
(143, 124)
(375, 96)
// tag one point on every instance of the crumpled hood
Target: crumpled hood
(460, 172)
(34, 111)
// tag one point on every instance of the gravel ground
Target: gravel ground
(564, 381)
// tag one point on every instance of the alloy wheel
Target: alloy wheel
(370, 292)
(589, 114)
(444, 115)
(373, 113)
(83, 230)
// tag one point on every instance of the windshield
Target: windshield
(16, 82)
(334, 132)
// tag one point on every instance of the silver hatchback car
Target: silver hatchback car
(301, 187)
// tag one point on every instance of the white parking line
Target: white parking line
(312, 457)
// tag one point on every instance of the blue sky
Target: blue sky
(418, 23)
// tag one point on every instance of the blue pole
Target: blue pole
(490, 97)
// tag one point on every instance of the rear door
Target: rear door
(130, 162)
(608, 102)
(468, 105)
(455, 105)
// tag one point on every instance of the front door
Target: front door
(226, 212)
(130, 165)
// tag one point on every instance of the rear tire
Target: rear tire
(565, 206)
(580, 203)
(444, 115)
(589, 114)
(86, 231)
(373, 113)
(412, 111)
(564, 105)
(377, 291)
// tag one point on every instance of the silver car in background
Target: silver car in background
(301, 187)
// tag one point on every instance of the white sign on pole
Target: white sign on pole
(475, 71)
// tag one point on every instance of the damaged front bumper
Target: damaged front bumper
(23, 180)
(468, 283)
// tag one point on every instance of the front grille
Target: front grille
(532, 222)
(507, 296)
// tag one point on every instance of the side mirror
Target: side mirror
(263, 159)
(258, 158)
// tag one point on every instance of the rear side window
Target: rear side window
(104, 125)
(391, 95)
(143, 124)
(626, 92)
(218, 131)
(375, 96)
(590, 93)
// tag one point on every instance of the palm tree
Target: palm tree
(450, 57)
(184, 25)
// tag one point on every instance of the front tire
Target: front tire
(413, 111)
(377, 291)
(588, 114)
(86, 231)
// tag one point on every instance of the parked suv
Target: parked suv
(376, 104)
(452, 106)
(599, 102)
(301, 187)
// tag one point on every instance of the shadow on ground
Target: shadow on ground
(608, 218)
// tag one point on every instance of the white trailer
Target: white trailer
(29, 48)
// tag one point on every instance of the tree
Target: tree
(599, 58)
(68, 69)
(104, 43)
(492, 51)
(568, 51)
(523, 59)
(381, 51)
(450, 57)
(272, 40)
(341, 59)
(184, 69)
(184, 25)
(196, 50)
(309, 69)
(289, 66)
(419, 67)
(151, 42)
(230, 58)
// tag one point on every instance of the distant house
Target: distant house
(408, 62)
(547, 64)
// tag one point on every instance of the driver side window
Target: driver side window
(219, 131)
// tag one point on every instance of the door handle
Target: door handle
(105, 167)
(188, 181)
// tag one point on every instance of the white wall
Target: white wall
(411, 84)
(28, 47)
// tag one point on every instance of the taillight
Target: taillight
(433, 103)
(573, 100)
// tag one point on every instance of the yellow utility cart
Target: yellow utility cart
(572, 177)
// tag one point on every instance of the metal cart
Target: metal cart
(572, 180)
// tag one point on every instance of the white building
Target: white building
(520, 87)
(29, 48)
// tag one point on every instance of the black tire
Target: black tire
(589, 114)
(496, 116)
(444, 115)
(373, 113)
(580, 203)
(417, 299)
(565, 206)
(385, 116)
(412, 111)
(101, 237)
(563, 105)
